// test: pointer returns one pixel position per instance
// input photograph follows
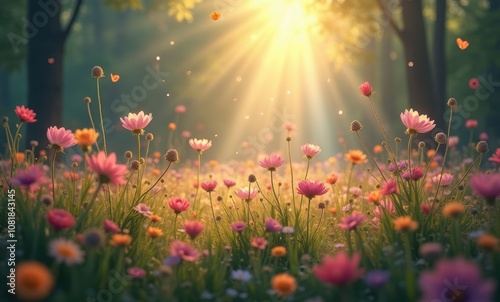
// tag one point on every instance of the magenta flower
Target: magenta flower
(455, 280)
(246, 193)
(229, 183)
(366, 89)
(178, 205)
(271, 162)
(200, 145)
(184, 251)
(339, 270)
(352, 221)
(273, 225)
(193, 228)
(473, 83)
(25, 114)
(311, 189)
(446, 179)
(60, 219)
(136, 122)
(416, 123)
(60, 138)
(136, 272)
(310, 151)
(209, 186)
(415, 174)
(238, 226)
(106, 168)
(111, 227)
(385, 206)
(495, 158)
(486, 185)
(143, 209)
(31, 177)
(389, 187)
(453, 141)
(483, 136)
(180, 109)
(259, 243)
(471, 124)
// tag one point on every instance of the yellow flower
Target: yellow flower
(34, 281)
(355, 157)
(85, 138)
(278, 251)
(405, 223)
(284, 284)
(121, 240)
(154, 232)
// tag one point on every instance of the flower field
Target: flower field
(401, 221)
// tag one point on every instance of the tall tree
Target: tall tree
(439, 53)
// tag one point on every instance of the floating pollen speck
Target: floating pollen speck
(114, 77)
(215, 15)
(51, 60)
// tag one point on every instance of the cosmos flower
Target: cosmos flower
(193, 228)
(85, 138)
(355, 157)
(389, 187)
(238, 226)
(311, 189)
(200, 145)
(446, 179)
(339, 270)
(106, 168)
(486, 185)
(34, 281)
(136, 272)
(241, 275)
(111, 227)
(66, 251)
(471, 124)
(229, 183)
(136, 122)
(405, 223)
(209, 185)
(351, 222)
(495, 158)
(259, 243)
(271, 162)
(60, 138)
(310, 150)
(284, 285)
(31, 177)
(185, 251)
(246, 194)
(25, 114)
(416, 123)
(120, 240)
(60, 219)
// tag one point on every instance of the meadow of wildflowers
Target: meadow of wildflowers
(400, 221)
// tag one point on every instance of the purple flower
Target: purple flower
(377, 278)
(238, 226)
(30, 178)
(352, 221)
(272, 225)
(455, 280)
(143, 209)
(486, 185)
(172, 261)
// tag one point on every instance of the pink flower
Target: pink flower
(60, 138)
(453, 141)
(495, 158)
(106, 168)
(60, 219)
(484, 136)
(339, 270)
(271, 162)
(471, 124)
(311, 189)
(186, 134)
(486, 185)
(416, 123)
(31, 177)
(193, 228)
(143, 209)
(310, 151)
(200, 145)
(446, 179)
(111, 227)
(180, 109)
(25, 114)
(390, 187)
(259, 243)
(416, 173)
(385, 206)
(178, 204)
(473, 83)
(288, 126)
(184, 251)
(229, 183)
(366, 89)
(136, 122)
(136, 272)
(273, 225)
(246, 194)
(209, 186)
(352, 221)
(238, 226)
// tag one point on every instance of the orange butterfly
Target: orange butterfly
(215, 15)
(462, 44)
(114, 78)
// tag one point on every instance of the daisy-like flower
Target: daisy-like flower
(259, 243)
(310, 151)
(355, 157)
(111, 227)
(389, 187)
(332, 179)
(120, 240)
(339, 270)
(495, 158)
(405, 223)
(238, 226)
(446, 179)
(106, 168)
(34, 281)
(471, 124)
(284, 284)
(85, 138)
(184, 251)
(31, 177)
(136, 122)
(229, 183)
(60, 219)
(416, 123)
(200, 145)
(288, 126)
(25, 114)
(246, 194)
(241, 275)
(66, 251)
(271, 162)
(486, 185)
(272, 225)
(352, 221)
(311, 189)
(193, 228)
(60, 138)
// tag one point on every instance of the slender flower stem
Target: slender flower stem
(410, 273)
(444, 157)
(93, 125)
(175, 226)
(305, 177)
(197, 181)
(138, 189)
(53, 174)
(382, 129)
(307, 225)
(213, 215)
(100, 116)
(369, 153)
(158, 180)
(462, 179)
(291, 178)
(349, 183)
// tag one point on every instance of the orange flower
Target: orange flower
(374, 196)
(121, 240)
(19, 157)
(405, 223)
(213, 163)
(428, 186)
(154, 218)
(333, 210)
(284, 284)
(42, 153)
(71, 175)
(488, 242)
(156, 155)
(85, 138)
(332, 160)
(172, 126)
(433, 164)
(453, 209)
(278, 251)
(431, 153)
(154, 232)
(332, 179)
(355, 157)
(34, 281)
(377, 149)
(155, 172)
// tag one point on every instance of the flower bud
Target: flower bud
(482, 147)
(172, 156)
(128, 154)
(356, 126)
(97, 72)
(134, 165)
(440, 138)
(452, 102)
(87, 100)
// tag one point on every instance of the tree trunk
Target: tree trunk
(5, 90)
(418, 71)
(439, 54)
(492, 123)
